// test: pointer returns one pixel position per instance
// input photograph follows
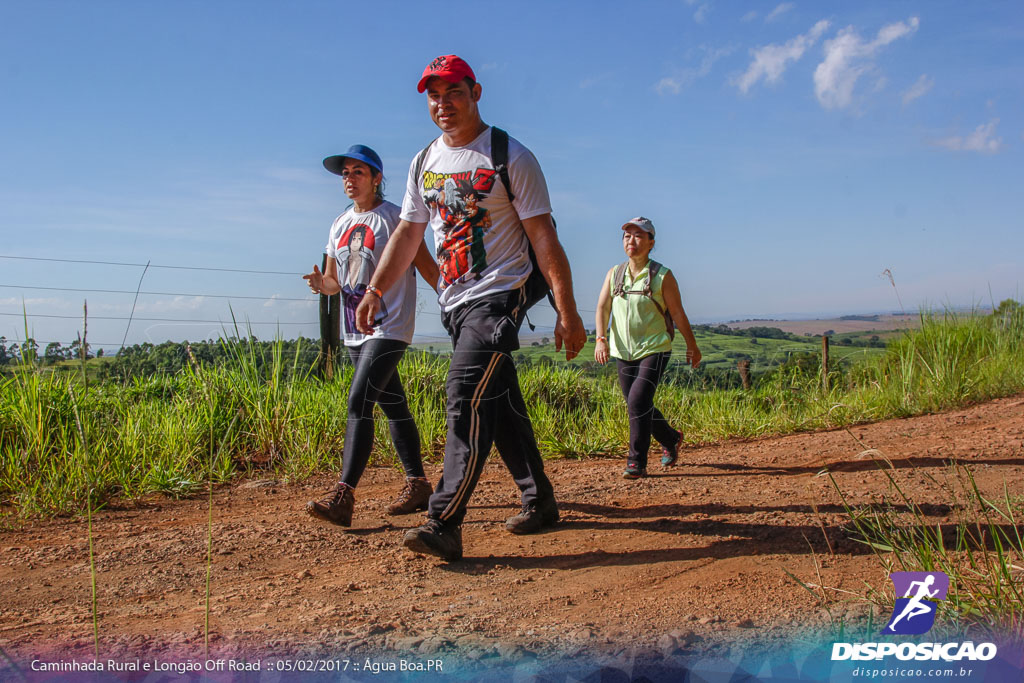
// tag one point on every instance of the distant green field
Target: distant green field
(724, 350)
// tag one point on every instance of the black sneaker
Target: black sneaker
(670, 455)
(335, 507)
(533, 517)
(634, 470)
(435, 538)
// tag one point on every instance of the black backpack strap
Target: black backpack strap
(499, 157)
(420, 160)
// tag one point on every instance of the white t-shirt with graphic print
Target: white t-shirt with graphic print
(356, 242)
(479, 241)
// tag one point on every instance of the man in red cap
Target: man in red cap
(483, 298)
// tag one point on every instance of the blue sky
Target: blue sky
(787, 152)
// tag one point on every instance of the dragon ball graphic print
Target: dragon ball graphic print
(456, 198)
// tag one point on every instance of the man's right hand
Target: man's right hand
(570, 331)
(366, 312)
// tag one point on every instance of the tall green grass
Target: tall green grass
(264, 413)
(980, 549)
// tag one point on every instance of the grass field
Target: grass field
(62, 441)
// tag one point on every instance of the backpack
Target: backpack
(536, 286)
(619, 289)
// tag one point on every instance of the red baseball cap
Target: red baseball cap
(451, 68)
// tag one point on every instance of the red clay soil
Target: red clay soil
(695, 557)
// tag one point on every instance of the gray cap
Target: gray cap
(644, 224)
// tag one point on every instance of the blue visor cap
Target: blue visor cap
(359, 153)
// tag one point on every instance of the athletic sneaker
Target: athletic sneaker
(670, 455)
(435, 538)
(634, 471)
(413, 497)
(533, 517)
(335, 507)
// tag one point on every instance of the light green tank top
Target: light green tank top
(637, 327)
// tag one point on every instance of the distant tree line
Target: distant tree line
(168, 358)
(12, 353)
(756, 331)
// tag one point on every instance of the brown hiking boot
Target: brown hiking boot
(535, 516)
(335, 507)
(413, 497)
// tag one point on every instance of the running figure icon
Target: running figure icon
(920, 590)
(916, 607)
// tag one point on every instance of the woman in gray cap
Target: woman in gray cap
(642, 298)
(356, 242)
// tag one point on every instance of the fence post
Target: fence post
(743, 366)
(330, 329)
(824, 363)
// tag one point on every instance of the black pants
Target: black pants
(485, 406)
(638, 380)
(376, 382)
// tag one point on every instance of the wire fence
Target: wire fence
(29, 315)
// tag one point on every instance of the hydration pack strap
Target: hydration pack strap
(619, 289)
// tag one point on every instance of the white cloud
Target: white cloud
(749, 16)
(771, 61)
(701, 15)
(669, 85)
(920, 88)
(983, 140)
(681, 78)
(779, 11)
(848, 57)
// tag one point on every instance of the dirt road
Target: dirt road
(690, 558)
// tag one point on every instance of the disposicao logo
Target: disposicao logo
(914, 613)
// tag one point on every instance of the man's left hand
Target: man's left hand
(569, 329)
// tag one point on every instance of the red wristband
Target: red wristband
(376, 292)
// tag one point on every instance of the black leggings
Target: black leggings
(376, 382)
(638, 380)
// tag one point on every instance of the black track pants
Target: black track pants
(485, 406)
(376, 382)
(638, 380)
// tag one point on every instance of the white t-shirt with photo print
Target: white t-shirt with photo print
(356, 242)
